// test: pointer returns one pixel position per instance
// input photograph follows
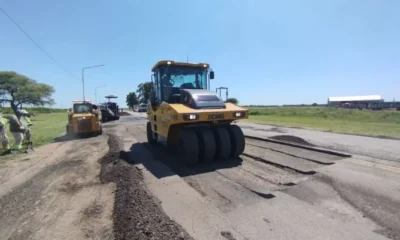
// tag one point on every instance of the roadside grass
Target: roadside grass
(46, 127)
(385, 123)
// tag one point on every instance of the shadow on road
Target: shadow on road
(162, 163)
(124, 114)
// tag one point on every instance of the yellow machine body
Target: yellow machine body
(84, 118)
(186, 116)
(168, 115)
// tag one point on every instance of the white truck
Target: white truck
(142, 107)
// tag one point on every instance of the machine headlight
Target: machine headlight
(190, 116)
(238, 114)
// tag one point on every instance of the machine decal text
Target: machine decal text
(216, 116)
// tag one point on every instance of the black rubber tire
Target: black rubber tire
(149, 132)
(222, 142)
(188, 147)
(237, 140)
(207, 146)
(101, 131)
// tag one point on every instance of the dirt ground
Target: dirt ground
(79, 189)
(56, 193)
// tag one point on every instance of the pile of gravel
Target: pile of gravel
(293, 139)
(137, 214)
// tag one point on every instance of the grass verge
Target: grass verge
(47, 126)
(347, 121)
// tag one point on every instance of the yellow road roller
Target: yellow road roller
(188, 118)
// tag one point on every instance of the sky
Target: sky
(265, 52)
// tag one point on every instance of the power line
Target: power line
(37, 45)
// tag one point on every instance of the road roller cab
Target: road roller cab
(84, 118)
(190, 119)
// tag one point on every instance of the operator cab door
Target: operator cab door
(163, 122)
(159, 119)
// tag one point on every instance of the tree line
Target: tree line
(17, 90)
(143, 93)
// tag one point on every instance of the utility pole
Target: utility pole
(83, 79)
(95, 92)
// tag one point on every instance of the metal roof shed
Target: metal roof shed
(370, 98)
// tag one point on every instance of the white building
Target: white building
(334, 101)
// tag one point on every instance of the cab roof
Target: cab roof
(184, 64)
(111, 96)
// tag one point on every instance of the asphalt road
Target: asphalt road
(255, 199)
(386, 149)
(116, 186)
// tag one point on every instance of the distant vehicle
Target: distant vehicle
(142, 107)
(110, 110)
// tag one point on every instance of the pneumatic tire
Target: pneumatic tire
(206, 145)
(188, 147)
(149, 132)
(222, 142)
(237, 140)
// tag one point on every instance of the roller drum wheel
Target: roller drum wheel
(188, 147)
(222, 142)
(207, 145)
(237, 140)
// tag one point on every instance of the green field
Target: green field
(385, 123)
(47, 126)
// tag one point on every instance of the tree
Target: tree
(144, 91)
(131, 100)
(232, 100)
(18, 89)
